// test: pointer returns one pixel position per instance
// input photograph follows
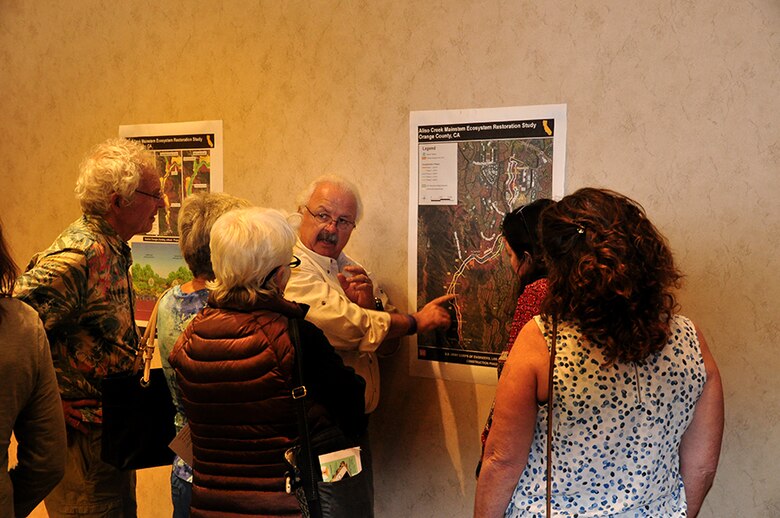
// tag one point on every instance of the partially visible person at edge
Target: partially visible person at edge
(29, 402)
(180, 305)
(637, 397)
(345, 300)
(234, 366)
(521, 241)
(82, 291)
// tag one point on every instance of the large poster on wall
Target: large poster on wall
(189, 161)
(467, 169)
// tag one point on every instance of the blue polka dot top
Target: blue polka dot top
(616, 430)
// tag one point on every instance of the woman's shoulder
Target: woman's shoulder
(18, 312)
(539, 285)
(682, 328)
(532, 343)
(20, 326)
(530, 301)
(681, 321)
(176, 293)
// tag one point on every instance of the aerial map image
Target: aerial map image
(460, 249)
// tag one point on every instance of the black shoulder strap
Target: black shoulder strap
(550, 414)
(305, 461)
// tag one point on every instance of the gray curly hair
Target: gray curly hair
(114, 166)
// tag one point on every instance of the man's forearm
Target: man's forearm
(400, 324)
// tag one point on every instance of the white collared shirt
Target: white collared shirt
(355, 332)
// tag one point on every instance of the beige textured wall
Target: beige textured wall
(672, 102)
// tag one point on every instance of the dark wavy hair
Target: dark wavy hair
(8, 270)
(610, 272)
(520, 228)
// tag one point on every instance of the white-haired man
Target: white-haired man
(344, 300)
(82, 291)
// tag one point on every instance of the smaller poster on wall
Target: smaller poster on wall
(189, 161)
(468, 168)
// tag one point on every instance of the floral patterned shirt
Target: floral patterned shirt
(81, 288)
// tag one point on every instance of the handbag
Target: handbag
(349, 497)
(138, 411)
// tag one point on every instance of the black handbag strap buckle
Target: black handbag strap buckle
(299, 392)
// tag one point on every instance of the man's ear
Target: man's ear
(113, 214)
(117, 202)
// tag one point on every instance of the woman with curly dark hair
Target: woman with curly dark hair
(637, 399)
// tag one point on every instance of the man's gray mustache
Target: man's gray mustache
(328, 238)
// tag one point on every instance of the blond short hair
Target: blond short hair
(114, 166)
(196, 217)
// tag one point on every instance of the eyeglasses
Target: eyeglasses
(525, 223)
(295, 263)
(158, 196)
(325, 219)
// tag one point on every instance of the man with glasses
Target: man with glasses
(344, 300)
(80, 286)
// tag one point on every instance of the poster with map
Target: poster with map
(467, 169)
(189, 160)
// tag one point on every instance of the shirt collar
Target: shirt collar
(324, 262)
(102, 227)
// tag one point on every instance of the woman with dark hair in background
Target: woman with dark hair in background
(30, 405)
(520, 231)
(637, 398)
